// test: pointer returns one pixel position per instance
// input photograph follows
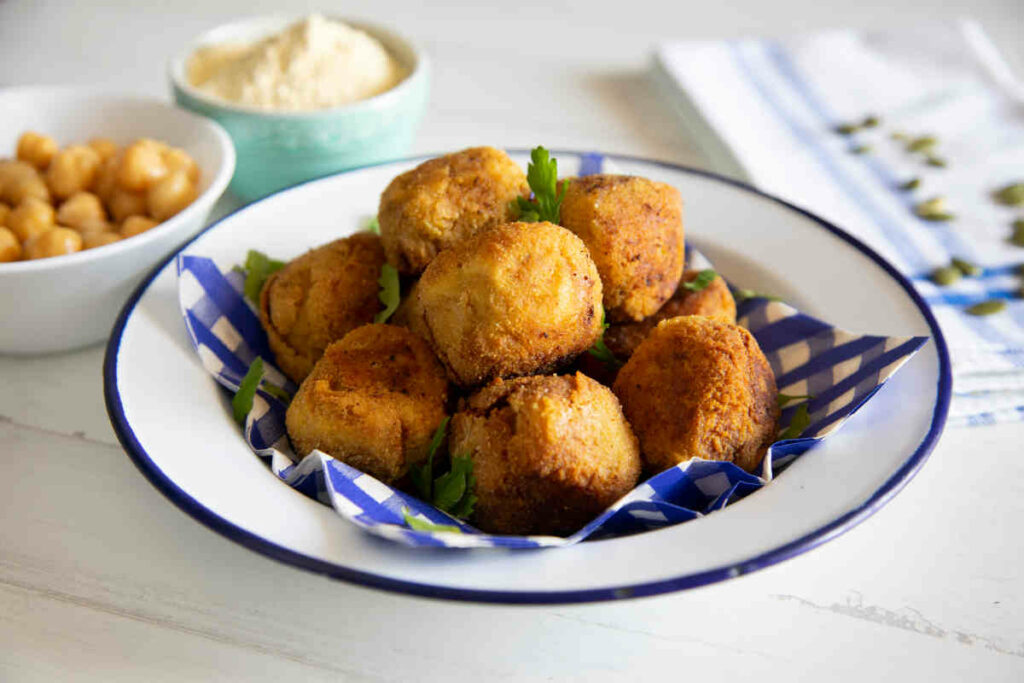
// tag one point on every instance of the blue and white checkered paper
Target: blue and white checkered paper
(840, 369)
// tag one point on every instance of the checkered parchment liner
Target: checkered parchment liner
(841, 370)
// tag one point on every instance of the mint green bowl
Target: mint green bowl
(278, 149)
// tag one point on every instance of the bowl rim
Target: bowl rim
(205, 199)
(176, 70)
(211, 519)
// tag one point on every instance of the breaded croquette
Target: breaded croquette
(318, 298)
(698, 387)
(444, 201)
(714, 301)
(372, 401)
(516, 299)
(549, 453)
(633, 228)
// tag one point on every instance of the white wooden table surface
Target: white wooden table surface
(102, 579)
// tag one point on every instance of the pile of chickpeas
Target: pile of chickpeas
(58, 201)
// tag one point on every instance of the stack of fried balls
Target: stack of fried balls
(493, 331)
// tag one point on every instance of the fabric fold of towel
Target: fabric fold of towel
(773, 112)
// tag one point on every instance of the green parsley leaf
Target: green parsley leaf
(450, 487)
(785, 399)
(548, 193)
(373, 226)
(703, 279)
(600, 350)
(418, 524)
(742, 295)
(276, 391)
(241, 404)
(390, 292)
(423, 475)
(801, 420)
(258, 267)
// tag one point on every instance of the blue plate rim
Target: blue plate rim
(807, 542)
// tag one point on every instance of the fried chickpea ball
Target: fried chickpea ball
(409, 313)
(36, 149)
(549, 453)
(320, 297)
(699, 388)
(714, 301)
(373, 401)
(633, 228)
(445, 200)
(516, 299)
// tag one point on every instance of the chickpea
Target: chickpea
(72, 170)
(22, 188)
(36, 149)
(178, 159)
(91, 240)
(136, 225)
(80, 208)
(170, 195)
(142, 166)
(106, 179)
(32, 217)
(18, 180)
(104, 147)
(10, 247)
(93, 225)
(5, 211)
(124, 203)
(57, 241)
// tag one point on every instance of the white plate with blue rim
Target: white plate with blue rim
(755, 240)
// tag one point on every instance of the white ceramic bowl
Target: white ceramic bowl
(66, 302)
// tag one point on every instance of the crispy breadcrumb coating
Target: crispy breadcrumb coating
(549, 453)
(444, 201)
(372, 401)
(699, 388)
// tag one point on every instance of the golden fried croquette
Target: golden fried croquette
(634, 230)
(714, 301)
(318, 298)
(445, 200)
(549, 453)
(699, 388)
(372, 401)
(516, 299)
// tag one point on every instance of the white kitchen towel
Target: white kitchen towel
(768, 112)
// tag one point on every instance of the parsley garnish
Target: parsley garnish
(785, 399)
(241, 404)
(418, 524)
(801, 420)
(390, 292)
(258, 267)
(548, 193)
(453, 490)
(373, 226)
(703, 279)
(742, 295)
(600, 350)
